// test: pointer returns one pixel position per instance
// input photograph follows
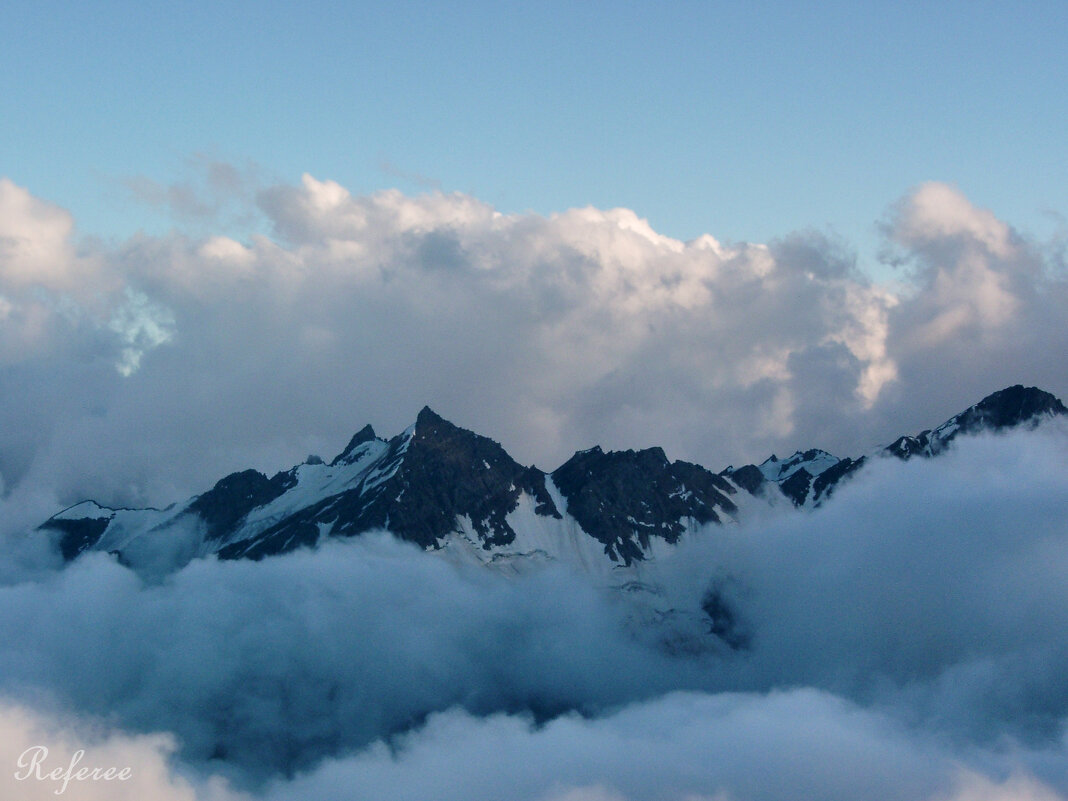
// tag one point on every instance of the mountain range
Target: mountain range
(448, 489)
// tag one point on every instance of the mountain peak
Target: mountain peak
(809, 477)
(1017, 404)
(1007, 408)
(428, 415)
(432, 429)
(437, 484)
(365, 434)
(429, 419)
(621, 498)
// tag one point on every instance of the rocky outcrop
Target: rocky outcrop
(622, 498)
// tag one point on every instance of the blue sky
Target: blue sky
(743, 120)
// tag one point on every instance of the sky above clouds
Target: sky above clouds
(745, 121)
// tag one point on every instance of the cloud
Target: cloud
(335, 648)
(682, 747)
(35, 246)
(930, 588)
(34, 745)
(675, 747)
(908, 640)
(547, 333)
(967, 259)
(979, 305)
(216, 193)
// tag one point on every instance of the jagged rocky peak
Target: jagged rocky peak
(434, 431)
(449, 472)
(350, 454)
(1007, 408)
(813, 461)
(421, 486)
(809, 477)
(436, 480)
(748, 477)
(905, 447)
(622, 498)
(794, 476)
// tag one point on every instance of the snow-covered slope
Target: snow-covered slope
(454, 491)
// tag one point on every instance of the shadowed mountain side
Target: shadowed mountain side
(436, 481)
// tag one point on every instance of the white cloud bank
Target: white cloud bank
(681, 747)
(908, 641)
(141, 372)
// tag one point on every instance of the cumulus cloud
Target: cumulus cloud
(547, 333)
(35, 241)
(41, 274)
(981, 302)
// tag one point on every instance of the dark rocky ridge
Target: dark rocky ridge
(748, 477)
(621, 498)
(449, 471)
(224, 505)
(78, 535)
(420, 484)
(826, 481)
(1008, 408)
(440, 473)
